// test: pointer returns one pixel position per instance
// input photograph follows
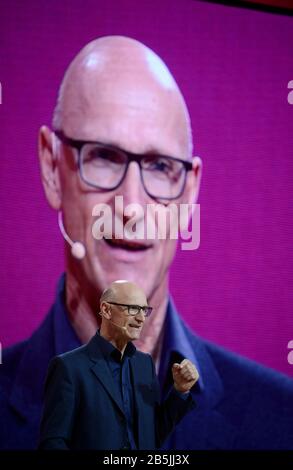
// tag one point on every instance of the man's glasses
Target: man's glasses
(134, 309)
(105, 166)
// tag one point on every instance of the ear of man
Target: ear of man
(49, 167)
(105, 310)
(191, 191)
(193, 180)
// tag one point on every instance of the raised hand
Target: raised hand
(185, 375)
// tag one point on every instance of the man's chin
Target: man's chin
(138, 274)
(133, 335)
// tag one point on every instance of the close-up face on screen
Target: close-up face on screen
(147, 227)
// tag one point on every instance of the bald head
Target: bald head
(124, 292)
(119, 75)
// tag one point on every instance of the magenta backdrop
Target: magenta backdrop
(233, 66)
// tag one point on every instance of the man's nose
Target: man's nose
(140, 317)
(131, 188)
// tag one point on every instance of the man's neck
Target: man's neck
(117, 342)
(151, 333)
(82, 305)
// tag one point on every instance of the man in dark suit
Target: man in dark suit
(105, 395)
(119, 103)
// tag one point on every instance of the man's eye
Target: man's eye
(133, 310)
(158, 164)
(104, 154)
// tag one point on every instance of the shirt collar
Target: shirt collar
(109, 351)
(176, 343)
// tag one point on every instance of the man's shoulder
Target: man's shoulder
(75, 356)
(142, 355)
(11, 358)
(27, 355)
(241, 368)
(237, 371)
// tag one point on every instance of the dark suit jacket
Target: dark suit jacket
(82, 409)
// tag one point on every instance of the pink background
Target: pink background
(233, 66)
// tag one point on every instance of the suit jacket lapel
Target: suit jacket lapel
(102, 372)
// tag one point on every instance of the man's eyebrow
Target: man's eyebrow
(148, 151)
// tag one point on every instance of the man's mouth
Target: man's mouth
(135, 326)
(129, 245)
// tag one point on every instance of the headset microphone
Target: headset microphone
(77, 248)
(108, 319)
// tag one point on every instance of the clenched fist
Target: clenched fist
(184, 375)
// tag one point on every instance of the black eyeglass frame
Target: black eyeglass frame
(149, 309)
(131, 157)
